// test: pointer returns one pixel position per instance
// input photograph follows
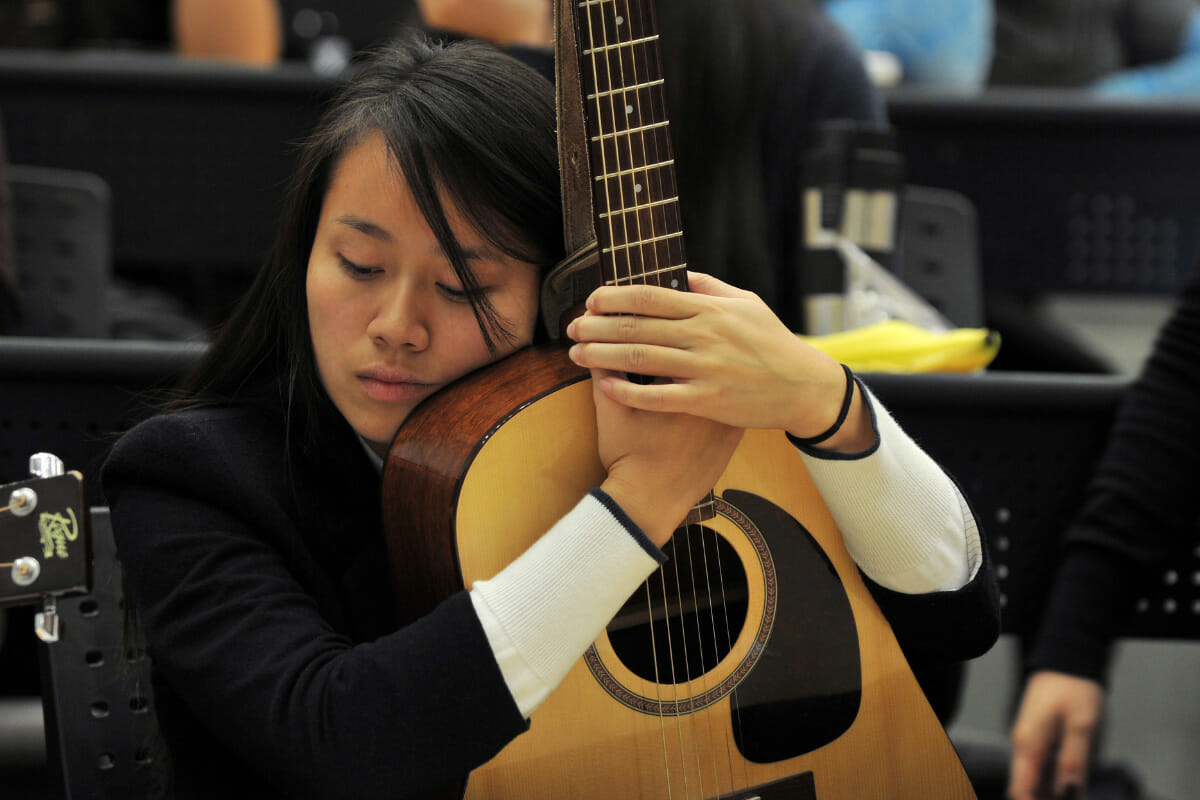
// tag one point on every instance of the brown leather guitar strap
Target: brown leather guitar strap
(570, 281)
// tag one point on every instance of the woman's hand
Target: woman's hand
(724, 356)
(1060, 713)
(659, 464)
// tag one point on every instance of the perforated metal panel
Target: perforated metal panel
(100, 729)
(72, 397)
(1023, 448)
(1074, 194)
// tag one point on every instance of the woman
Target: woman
(424, 211)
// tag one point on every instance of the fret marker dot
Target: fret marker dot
(620, 20)
(674, 283)
(637, 187)
(628, 109)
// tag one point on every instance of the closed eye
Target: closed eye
(456, 294)
(357, 271)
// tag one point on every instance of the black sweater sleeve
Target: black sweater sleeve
(245, 617)
(1140, 500)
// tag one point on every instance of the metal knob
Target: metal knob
(25, 571)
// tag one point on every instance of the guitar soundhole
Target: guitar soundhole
(686, 617)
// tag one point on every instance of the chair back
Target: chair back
(61, 233)
(101, 735)
(72, 397)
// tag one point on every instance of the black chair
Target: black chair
(61, 234)
(72, 397)
(101, 736)
(1023, 448)
(1074, 193)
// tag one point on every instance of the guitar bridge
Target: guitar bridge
(797, 787)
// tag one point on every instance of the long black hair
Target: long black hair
(463, 122)
(746, 80)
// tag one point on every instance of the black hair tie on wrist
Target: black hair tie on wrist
(837, 425)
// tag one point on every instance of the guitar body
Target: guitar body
(805, 695)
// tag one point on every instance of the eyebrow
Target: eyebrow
(481, 252)
(365, 227)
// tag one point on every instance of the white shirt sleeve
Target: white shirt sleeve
(542, 611)
(904, 521)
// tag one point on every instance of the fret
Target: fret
(618, 154)
(624, 223)
(639, 129)
(639, 185)
(616, 46)
(622, 69)
(631, 23)
(655, 273)
(639, 113)
(646, 240)
(634, 170)
(638, 225)
(636, 208)
(622, 89)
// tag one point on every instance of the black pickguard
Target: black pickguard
(806, 689)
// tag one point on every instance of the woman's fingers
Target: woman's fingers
(655, 362)
(643, 300)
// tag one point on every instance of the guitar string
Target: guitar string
(674, 684)
(652, 154)
(592, 57)
(632, 47)
(735, 708)
(734, 711)
(587, 7)
(696, 604)
(672, 215)
(658, 682)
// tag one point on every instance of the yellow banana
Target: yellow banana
(896, 346)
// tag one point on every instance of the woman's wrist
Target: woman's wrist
(856, 433)
(851, 430)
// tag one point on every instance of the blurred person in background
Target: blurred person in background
(1116, 48)
(940, 44)
(1140, 501)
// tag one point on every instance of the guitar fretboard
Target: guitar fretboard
(635, 198)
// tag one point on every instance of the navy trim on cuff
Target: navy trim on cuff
(628, 524)
(833, 455)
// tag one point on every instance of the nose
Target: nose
(400, 320)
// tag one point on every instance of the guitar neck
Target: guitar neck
(635, 200)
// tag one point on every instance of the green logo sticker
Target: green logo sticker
(56, 530)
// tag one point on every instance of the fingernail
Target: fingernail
(573, 352)
(571, 329)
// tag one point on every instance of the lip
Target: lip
(391, 386)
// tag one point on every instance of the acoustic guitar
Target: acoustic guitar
(755, 663)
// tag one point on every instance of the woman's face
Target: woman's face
(390, 322)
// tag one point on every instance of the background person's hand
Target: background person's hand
(1052, 735)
